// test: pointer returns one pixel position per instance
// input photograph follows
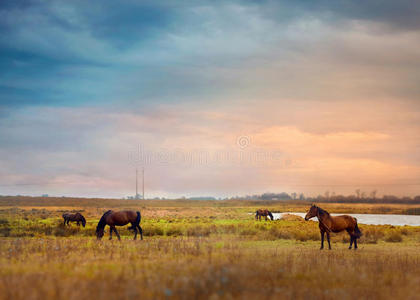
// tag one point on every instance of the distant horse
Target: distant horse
(263, 213)
(119, 218)
(328, 223)
(77, 217)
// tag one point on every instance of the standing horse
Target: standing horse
(328, 223)
(119, 218)
(263, 213)
(77, 217)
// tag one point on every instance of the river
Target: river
(371, 219)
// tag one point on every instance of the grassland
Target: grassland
(200, 250)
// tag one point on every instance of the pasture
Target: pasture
(199, 250)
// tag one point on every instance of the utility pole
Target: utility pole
(143, 183)
(137, 193)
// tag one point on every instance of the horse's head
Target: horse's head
(256, 214)
(99, 233)
(83, 221)
(271, 215)
(313, 212)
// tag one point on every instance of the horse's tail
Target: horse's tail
(138, 219)
(271, 215)
(357, 231)
(102, 221)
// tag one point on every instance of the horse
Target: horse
(119, 218)
(77, 217)
(328, 223)
(263, 213)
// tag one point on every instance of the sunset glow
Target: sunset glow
(224, 99)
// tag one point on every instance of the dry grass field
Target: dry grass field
(199, 250)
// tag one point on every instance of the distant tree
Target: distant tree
(373, 194)
(301, 196)
(327, 195)
(358, 193)
(294, 195)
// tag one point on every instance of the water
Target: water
(371, 219)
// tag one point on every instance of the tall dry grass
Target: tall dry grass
(203, 268)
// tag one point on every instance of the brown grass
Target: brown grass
(203, 268)
(199, 252)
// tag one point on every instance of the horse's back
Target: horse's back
(123, 217)
(342, 222)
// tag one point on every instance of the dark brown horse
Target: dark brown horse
(328, 223)
(77, 217)
(263, 213)
(119, 218)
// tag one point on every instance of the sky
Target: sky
(211, 98)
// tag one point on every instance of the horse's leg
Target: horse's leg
(110, 232)
(64, 221)
(328, 239)
(118, 235)
(78, 224)
(141, 231)
(322, 239)
(351, 241)
(135, 230)
(355, 243)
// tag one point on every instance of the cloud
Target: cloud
(194, 149)
(331, 84)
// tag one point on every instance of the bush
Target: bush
(174, 231)
(276, 233)
(152, 230)
(371, 235)
(394, 237)
(64, 230)
(198, 230)
(5, 231)
(412, 211)
(306, 235)
(248, 231)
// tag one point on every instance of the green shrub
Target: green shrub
(152, 230)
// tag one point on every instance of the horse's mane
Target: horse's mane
(102, 221)
(323, 211)
(82, 217)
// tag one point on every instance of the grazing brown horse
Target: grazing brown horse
(77, 217)
(263, 213)
(119, 218)
(328, 223)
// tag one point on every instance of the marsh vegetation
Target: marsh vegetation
(204, 250)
